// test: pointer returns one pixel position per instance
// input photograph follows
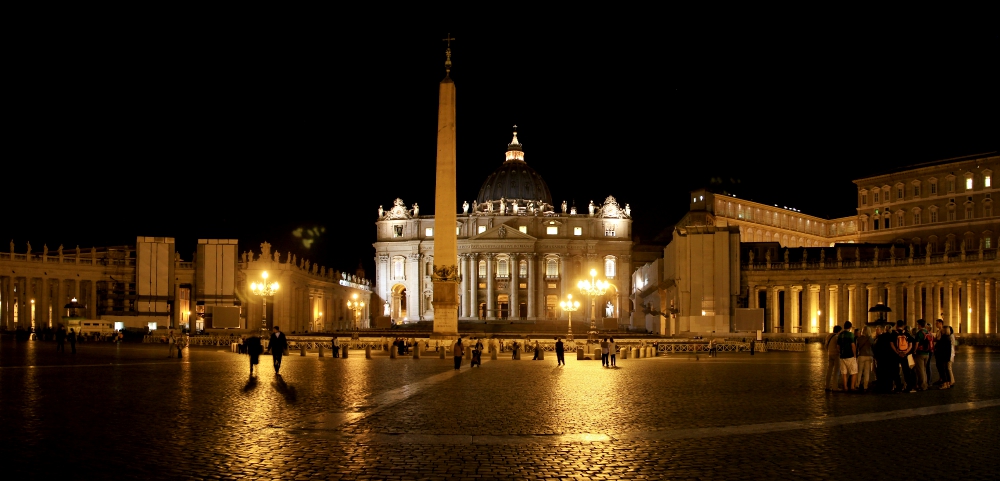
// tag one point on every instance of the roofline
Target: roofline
(933, 163)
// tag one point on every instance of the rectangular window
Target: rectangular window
(899, 193)
(552, 230)
(968, 183)
(986, 243)
(916, 218)
(886, 220)
(934, 188)
(578, 231)
(864, 199)
(951, 186)
(397, 231)
(987, 181)
(951, 214)
(876, 196)
(458, 230)
(968, 212)
(988, 210)
(480, 229)
(934, 217)
(523, 229)
(916, 191)
(429, 231)
(609, 230)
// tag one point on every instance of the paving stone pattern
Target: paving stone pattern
(121, 412)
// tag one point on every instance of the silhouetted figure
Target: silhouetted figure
(276, 346)
(72, 340)
(254, 348)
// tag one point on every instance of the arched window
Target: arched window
(503, 268)
(551, 268)
(609, 267)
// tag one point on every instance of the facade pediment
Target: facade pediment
(503, 232)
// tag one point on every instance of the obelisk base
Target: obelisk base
(445, 304)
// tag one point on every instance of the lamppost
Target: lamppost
(356, 306)
(593, 289)
(264, 290)
(569, 305)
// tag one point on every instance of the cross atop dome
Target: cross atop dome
(514, 151)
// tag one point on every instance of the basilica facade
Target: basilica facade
(922, 242)
(520, 253)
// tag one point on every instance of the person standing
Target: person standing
(459, 351)
(612, 347)
(537, 348)
(513, 350)
(71, 337)
(60, 339)
(171, 340)
(560, 353)
(253, 349)
(848, 357)
(605, 349)
(865, 356)
(903, 345)
(276, 346)
(922, 354)
(833, 359)
(942, 353)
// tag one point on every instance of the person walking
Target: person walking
(612, 348)
(833, 359)
(459, 351)
(560, 353)
(253, 348)
(71, 337)
(276, 346)
(537, 348)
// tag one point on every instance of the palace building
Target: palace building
(922, 242)
(519, 253)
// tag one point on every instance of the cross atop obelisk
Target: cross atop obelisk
(447, 54)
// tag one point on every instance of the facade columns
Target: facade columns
(752, 293)
(947, 308)
(515, 281)
(894, 300)
(474, 292)
(913, 297)
(772, 304)
(532, 285)
(490, 294)
(787, 310)
(564, 282)
(872, 291)
(990, 288)
(979, 307)
(935, 302)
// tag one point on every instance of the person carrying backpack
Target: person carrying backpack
(922, 355)
(903, 345)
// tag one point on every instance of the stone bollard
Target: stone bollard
(493, 354)
(541, 353)
(302, 349)
(416, 351)
(625, 353)
(321, 350)
(441, 353)
(392, 353)
(635, 353)
(343, 351)
(368, 352)
(580, 355)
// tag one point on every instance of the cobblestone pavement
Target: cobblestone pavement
(130, 412)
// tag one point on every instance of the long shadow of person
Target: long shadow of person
(288, 392)
(251, 384)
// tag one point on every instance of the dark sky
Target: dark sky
(213, 135)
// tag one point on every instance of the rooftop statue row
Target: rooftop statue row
(610, 209)
(302, 264)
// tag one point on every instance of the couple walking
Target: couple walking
(276, 345)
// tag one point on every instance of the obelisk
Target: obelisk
(445, 276)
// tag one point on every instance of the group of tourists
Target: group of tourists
(890, 359)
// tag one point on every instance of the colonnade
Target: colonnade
(43, 299)
(967, 303)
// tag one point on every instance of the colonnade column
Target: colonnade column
(772, 305)
(92, 301)
(515, 281)
(979, 307)
(463, 285)
(872, 292)
(913, 297)
(531, 284)
(894, 300)
(948, 301)
(787, 310)
(564, 283)
(474, 291)
(851, 298)
(991, 305)
(823, 313)
(752, 296)
(934, 303)
(792, 301)
(490, 294)
(44, 301)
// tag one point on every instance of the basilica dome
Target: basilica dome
(514, 180)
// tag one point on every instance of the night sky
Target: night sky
(215, 136)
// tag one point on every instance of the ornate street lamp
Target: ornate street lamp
(356, 306)
(569, 305)
(593, 289)
(264, 290)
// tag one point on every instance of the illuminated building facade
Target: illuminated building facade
(923, 241)
(148, 285)
(519, 254)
